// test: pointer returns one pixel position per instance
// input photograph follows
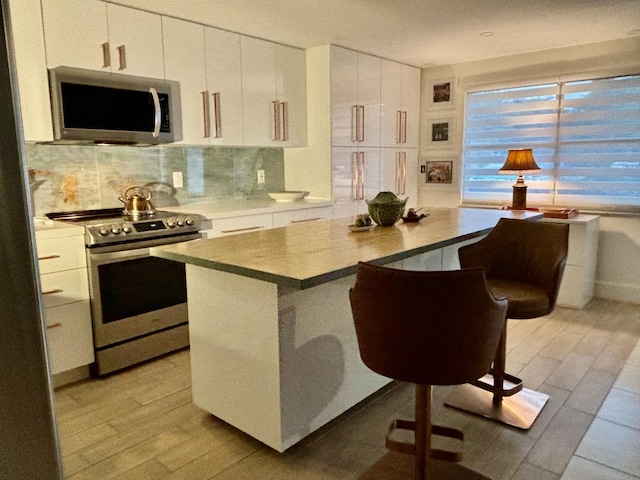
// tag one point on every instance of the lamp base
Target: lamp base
(519, 200)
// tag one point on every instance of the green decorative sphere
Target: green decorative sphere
(386, 209)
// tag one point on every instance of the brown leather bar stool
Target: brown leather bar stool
(427, 328)
(523, 262)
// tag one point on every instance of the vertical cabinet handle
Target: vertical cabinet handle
(404, 127)
(361, 189)
(284, 121)
(206, 120)
(122, 57)
(106, 55)
(404, 173)
(354, 123)
(355, 178)
(217, 118)
(398, 126)
(361, 123)
(276, 120)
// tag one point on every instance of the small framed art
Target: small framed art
(440, 172)
(440, 131)
(441, 92)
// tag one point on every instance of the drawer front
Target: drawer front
(58, 254)
(60, 288)
(233, 226)
(292, 217)
(69, 336)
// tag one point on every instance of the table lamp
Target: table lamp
(519, 161)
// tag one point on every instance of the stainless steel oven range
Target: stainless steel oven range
(138, 302)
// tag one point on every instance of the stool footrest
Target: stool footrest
(504, 392)
(409, 448)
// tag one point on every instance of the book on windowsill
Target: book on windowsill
(550, 212)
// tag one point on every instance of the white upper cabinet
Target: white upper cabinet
(224, 87)
(98, 36)
(273, 94)
(400, 105)
(187, 66)
(355, 98)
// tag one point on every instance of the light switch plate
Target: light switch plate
(177, 180)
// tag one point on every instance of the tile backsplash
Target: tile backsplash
(65, 177)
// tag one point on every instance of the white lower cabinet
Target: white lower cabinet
(65, 297)
(240, 224)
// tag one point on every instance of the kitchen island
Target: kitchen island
(273, 347)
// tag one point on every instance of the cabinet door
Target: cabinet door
(237, 225)
(74, 32)
(293, 217)
(187, 66)
(344, 95)
(410, 103)
(391, 104)
(135, 38)
(224, 84)
(343, 166)
(258, 91)
(369, 98)
(69, 336)
(31, 69)
(291, 90)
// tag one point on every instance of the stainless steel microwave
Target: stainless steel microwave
(101, 107)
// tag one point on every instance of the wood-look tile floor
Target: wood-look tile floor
(140, 424)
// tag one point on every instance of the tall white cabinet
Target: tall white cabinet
(375, 112)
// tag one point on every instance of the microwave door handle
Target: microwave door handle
(156, 107)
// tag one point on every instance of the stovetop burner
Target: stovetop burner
(109, 225)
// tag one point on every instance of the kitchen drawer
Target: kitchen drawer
(58, 254)
(60, 288)
(291, 217)
(69, 336)
(243, 224)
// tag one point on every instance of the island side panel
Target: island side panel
(235, 369)
(322, 374)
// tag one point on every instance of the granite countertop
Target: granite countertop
(309, 254)
(215, 210)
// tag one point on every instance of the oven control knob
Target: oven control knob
(127, 228)
(181, 221)
(189, 221)
(171, 222)
(116, 229)
(103, 230)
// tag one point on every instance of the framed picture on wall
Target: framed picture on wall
(441, 92)
(440, 171)
(440, 131)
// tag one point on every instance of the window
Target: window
(585, 137)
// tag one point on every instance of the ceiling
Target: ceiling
(422, 33)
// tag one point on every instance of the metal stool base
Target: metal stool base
(519, 410)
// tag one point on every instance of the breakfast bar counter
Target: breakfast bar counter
(273, 347)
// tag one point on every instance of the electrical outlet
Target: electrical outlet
(423, 168)
(260, 176)
(177, 180)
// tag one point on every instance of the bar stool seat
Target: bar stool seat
(426, 328)
(524, 262)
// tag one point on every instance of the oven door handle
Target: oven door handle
(118, 256)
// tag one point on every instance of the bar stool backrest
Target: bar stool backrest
(433, 328)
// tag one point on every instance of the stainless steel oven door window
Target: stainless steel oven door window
(134, 294)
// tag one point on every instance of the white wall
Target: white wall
(618, 266)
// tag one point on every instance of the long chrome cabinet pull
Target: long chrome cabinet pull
(361, 122)
(206, 120)
(122, 57)
(284, 120)
(106, 55)
(257, 227)
(51, 292)
(404, 127)
(217, 118)
(276, 120)
(354, 123)
(49, 257)
(361, 190)
(355, 172)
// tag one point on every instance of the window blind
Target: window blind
(585, 137)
